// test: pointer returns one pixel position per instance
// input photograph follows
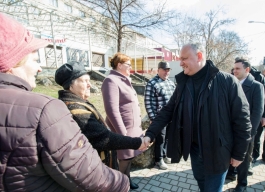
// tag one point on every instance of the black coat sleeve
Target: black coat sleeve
(240, 119)
(261, 79)
(101, 137)
(163, 118)
(257, 107)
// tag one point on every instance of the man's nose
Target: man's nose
(88, 84)
(39, 69)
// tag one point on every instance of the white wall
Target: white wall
(175, 69)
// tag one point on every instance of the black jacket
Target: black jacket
(223, 121)
(254, 92)
(94, 128)
(260, 78)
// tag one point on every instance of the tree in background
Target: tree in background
(221, 45)
(122, 17)
(184, 29)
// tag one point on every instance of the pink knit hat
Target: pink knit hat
(15, 42)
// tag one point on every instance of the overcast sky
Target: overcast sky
(241, 10)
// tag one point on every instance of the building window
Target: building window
(80, 56)
(82, 14)
(68, 8)
(53, 3)
(50, 56)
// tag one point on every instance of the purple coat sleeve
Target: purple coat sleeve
(69, 158)
(111, 98)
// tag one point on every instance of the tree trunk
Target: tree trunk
(119, 42)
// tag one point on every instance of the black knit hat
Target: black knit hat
(68, 72)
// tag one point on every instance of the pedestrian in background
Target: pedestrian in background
(254, 92)
(122, 108)
(256, 150)
(157, 93)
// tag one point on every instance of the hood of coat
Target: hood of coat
(14, 82)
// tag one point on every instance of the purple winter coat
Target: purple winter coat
(42, 148)
(122, 109)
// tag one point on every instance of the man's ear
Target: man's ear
(248, 69)
(199, 55)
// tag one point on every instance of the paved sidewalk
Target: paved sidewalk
(179, 178)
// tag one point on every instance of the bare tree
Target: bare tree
(210, 26)
(226, 46)
(184, 29)
(123, 17)
(221, 45)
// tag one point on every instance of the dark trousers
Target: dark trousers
(161, 145)
(256, 152)
(263, 154)
(242, 169)
(206, 182)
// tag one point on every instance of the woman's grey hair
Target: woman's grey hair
(70, 84)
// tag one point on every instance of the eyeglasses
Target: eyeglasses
(128, 64)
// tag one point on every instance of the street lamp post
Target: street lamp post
(263, 23)
(256, 22)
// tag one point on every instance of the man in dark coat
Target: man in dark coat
(256, 149)
(210, 119)
(254, 92)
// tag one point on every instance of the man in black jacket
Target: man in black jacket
(254, 92)
(210, 119)
(256, 150)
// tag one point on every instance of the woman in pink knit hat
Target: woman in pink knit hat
(42, 148)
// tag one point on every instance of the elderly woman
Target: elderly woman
(122, 108)
(42, 148)
(76, 84)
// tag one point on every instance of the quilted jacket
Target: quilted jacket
(42, 148)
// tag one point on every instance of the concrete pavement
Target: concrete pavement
(179, 177)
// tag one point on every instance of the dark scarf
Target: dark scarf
(191, 92)
(197, 80)
(81, 109)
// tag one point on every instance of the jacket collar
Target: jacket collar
(181, 78)
(127, 80)
(116, 73)
(157, 78)
(248, 82)
(66, 95)
(13, 81)
(212, 71)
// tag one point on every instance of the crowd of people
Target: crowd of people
(65, 144)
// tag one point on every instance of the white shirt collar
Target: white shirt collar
(242, 81)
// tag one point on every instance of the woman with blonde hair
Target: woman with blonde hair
(122, 108)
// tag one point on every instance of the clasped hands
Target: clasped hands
(146, 143)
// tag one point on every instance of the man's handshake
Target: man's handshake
(145, 143)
